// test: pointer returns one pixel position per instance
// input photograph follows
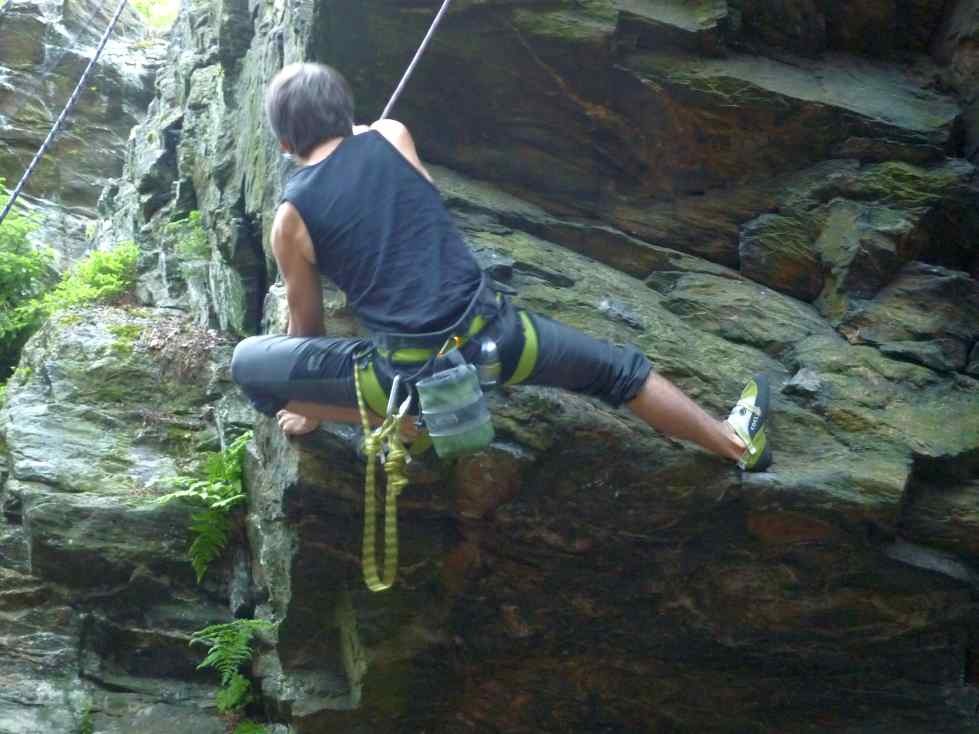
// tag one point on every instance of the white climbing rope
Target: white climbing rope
(64, 113)
(414, 61)
(105, 37)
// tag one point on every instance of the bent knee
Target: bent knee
(252, 362)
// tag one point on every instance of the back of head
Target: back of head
(307, 104)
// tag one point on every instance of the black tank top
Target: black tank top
(382, 234)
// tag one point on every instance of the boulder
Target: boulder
(99, 600)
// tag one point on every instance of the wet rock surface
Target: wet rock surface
(44, 46)
(98, 600)
(733, 187)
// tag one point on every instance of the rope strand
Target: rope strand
(414, 62)
(64, 113)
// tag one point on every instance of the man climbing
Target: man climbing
(363, 211)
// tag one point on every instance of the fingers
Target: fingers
(293, 424)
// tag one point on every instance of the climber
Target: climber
(363, 210)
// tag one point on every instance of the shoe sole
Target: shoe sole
(759, 422)
(764, 461)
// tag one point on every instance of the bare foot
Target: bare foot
(738, 446)
(293, 424)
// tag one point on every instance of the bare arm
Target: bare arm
(293, 252)
(399, 136)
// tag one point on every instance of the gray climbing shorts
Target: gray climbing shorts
(274, 370)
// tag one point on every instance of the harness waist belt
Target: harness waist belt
(469, 324)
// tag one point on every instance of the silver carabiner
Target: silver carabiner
(393, 399)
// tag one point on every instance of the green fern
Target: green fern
(211, 529)
(230, 648)
(217, 494)
(235, 695)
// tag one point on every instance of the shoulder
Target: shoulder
(289, 233)
(288, 221)
(399, 136)
(395, 132)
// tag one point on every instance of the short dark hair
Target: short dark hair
(307, 104)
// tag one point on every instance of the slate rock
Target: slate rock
(777, 250)
(929, 315)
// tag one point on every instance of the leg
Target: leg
(311, 377)
(663, 406)
(575, 361)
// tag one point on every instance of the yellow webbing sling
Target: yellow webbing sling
(371, 397)
(397, 479)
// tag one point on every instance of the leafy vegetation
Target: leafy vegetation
(230, 647)
(192, 241)
(217, 494)
(249, 727)
(157, 14)
(126, 336)
(102, 276)
(87, 726)
(25, 271)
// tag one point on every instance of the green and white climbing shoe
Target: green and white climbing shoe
(748, 418)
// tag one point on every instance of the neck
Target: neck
(320, 153)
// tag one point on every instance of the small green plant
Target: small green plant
(249, 727)
(192, 241)
(126, 336)
(25, 272)
(217, 494)
(101, 277)
(87, 726)
(230, 648)
(157, 14)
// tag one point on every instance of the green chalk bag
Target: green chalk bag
(455, 411)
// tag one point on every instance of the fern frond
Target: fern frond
(228, 502)
(230, 648)
(183, 494)
(218, 493)
(236, 694)
(211, 529)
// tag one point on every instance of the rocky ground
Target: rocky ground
(732, 186)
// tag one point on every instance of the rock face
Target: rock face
(732, 186)
(957, 46)
(98, 600)
(44, 46)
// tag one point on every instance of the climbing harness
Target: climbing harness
(64, 113)
(414, 62)
(453, 408)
